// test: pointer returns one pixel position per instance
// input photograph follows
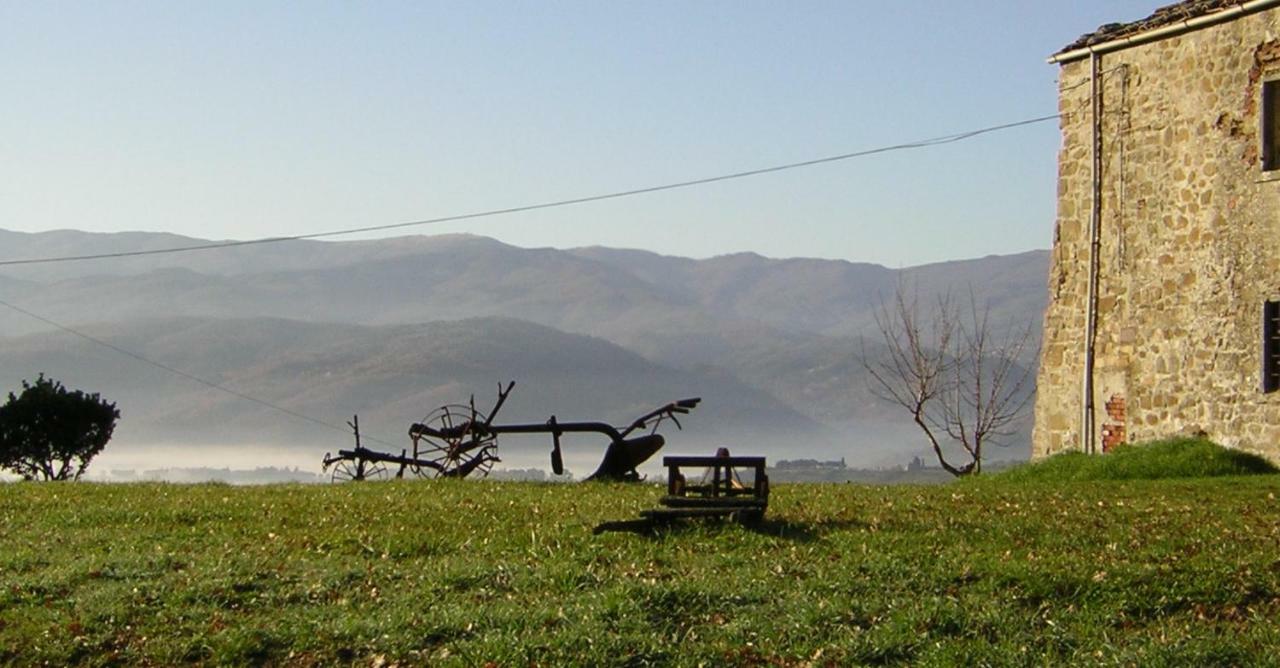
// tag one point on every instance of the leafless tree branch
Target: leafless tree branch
(954, 377)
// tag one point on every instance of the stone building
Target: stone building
(1165, 273)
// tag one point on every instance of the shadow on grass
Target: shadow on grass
(805, 532)
(800, 532)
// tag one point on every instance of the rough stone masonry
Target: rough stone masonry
(1190, 249)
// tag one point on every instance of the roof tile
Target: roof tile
(1167, 15)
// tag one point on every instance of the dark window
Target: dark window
(1271, 346)
(1271, 125)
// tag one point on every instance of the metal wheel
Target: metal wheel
(459, 454)
(353, 469)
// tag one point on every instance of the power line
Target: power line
(936, 141)
(184, 374)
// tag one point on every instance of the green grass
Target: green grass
(1182, 572)
(1170, 458)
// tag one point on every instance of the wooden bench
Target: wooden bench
(721, 495)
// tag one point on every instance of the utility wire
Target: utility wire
(184, 374)
(1088, 80)
(936, 141)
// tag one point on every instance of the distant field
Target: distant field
(468, 573)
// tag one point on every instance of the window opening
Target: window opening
(1270, 130)
(1271, 346)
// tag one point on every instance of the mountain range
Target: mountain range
(393, 327)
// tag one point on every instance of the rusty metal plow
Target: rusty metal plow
(456, 441)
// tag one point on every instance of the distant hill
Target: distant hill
(831, 297)
(786, 330)
(391, 376)
(803, 295)
(414, 279)
(253, 258)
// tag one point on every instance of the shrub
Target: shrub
(49, 432)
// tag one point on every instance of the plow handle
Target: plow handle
(502, 398)
(668, 411)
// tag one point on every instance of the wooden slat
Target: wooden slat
(713, 502)
(712, 460)
(670, 513)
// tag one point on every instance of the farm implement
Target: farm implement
(457, 441)
(720, 493)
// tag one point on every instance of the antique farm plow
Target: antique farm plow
(456, 441)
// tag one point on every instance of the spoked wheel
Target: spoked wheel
(358, 469)
(460, 452)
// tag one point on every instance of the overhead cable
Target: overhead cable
(936, 141)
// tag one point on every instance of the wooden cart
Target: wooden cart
(719, 492)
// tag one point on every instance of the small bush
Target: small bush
(1170, 458)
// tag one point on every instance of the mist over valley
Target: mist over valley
(393, 328)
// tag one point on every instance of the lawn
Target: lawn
(996, 571)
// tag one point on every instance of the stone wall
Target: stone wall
(1190, 245)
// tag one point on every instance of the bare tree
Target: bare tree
(961, 384)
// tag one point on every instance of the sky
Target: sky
(240, 120)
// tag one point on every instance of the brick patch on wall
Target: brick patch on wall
(1113, 430)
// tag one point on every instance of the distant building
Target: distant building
(810, 464)
(1164, 313)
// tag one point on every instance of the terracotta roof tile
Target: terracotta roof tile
(1167, 15)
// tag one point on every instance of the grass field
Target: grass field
(999, 571)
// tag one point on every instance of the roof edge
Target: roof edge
(1170, 30)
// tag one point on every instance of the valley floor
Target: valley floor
(465, 573)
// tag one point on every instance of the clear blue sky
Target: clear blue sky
(241, 120)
